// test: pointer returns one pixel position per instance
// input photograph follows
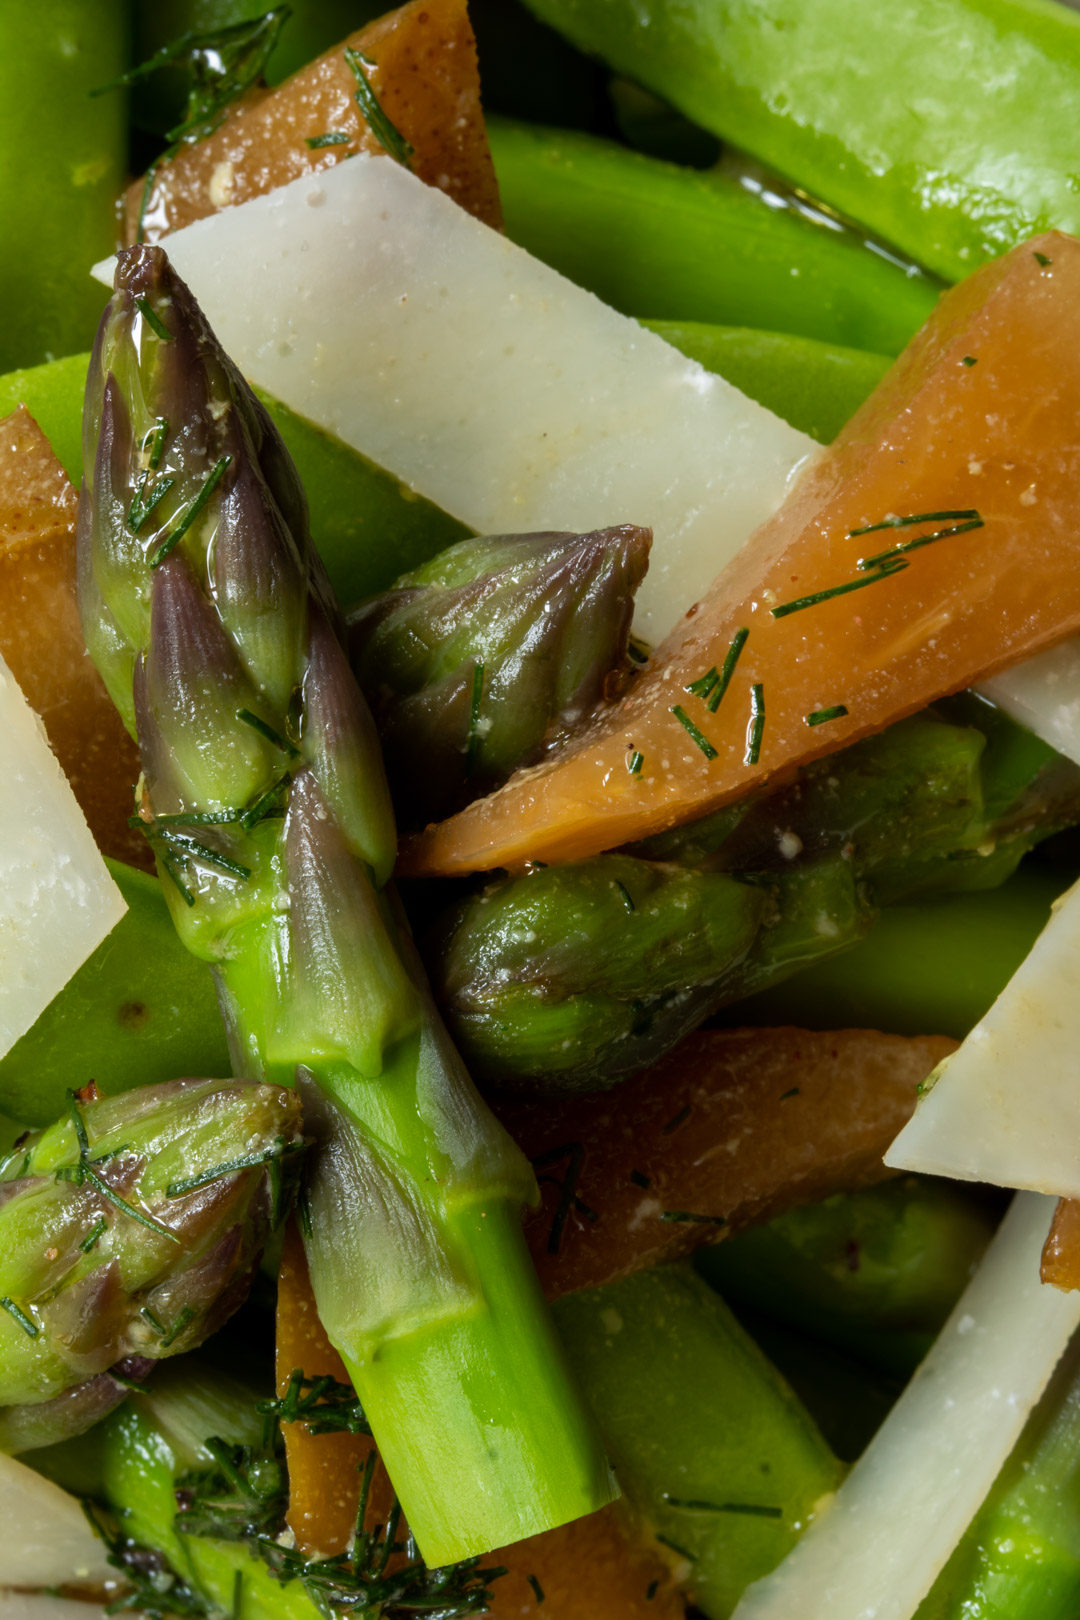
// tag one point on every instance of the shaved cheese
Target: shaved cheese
(482, 378)
(1043, 693)
(57, 900)
(874, 1552)
(1005, 1107)
(46, 1606)
(47, 1540)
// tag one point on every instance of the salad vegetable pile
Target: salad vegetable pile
(628, 452)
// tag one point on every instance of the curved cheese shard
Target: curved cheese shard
(57, 900)
(876, 1549)
(483, 379)
(47, 1540)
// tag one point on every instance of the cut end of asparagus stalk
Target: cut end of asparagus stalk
(512, 1455)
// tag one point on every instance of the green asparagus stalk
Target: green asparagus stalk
(874, 1272)
(713, 1450)
(657, 240)
(491, 653)
(569, 977)
(129, 1231)
(207, 611)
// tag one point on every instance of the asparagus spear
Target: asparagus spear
(489, 654)
(210, 618)
(573, 976)
(129, 1231)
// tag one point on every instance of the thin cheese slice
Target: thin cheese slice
(47, 1540)
(57, 900)
(874, 1552)
(483, 379)
(1043, 693)
(1005, 1107)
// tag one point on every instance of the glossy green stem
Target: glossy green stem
(928, 123)
(62, 162)
(711, 1447)
(664, 242)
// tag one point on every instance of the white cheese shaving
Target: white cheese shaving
(1043, 693)
(876, 1549)
(1005, 1107)
(57, 900)
(482, 378)
(47, 1540)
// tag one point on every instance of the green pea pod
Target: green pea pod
(710, 1445)
(62, 161)
(928, 121)
(669, 243)
(139, 1011)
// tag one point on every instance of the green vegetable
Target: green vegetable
(208, 614)
(710, 1445)
(656, 240)
(1020, 1559)
(551, 976)
(129, 1231)
(481, 659)
(138, 1012)
(874, 1272)
(62, 161)
(928, 124)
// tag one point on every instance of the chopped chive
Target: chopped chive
(755, 730)
(818, 717)
(637, 651)
(640, 1179)
(141, 508)
(574, 1153)
(159, 1327)
(916, 544)
(473, 736)
(727, 668)
(144, 197)
(174, 874)
(635, 762)
(538, 1590)
(694, 1505)
(79, 1123)
(265, 805)
(128, 1383)
(651, 1590)
(704, 683)
(93, 1237)
(187, 818)
(193, 849)
(29, 1327)
(186, 1317)
(153, 319)
(884, 572)
(386, 133)
(122, 1204)
(1043, 259)
(280, 1150)
(913, 518)
(334, 137)
(674, 1545)
(628, 899)
(153, 442)
(784, 1095)
(263, 727)
(691, 1218)
(969, 360)
(696, 737)
(191, 512)
(676, 1120)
